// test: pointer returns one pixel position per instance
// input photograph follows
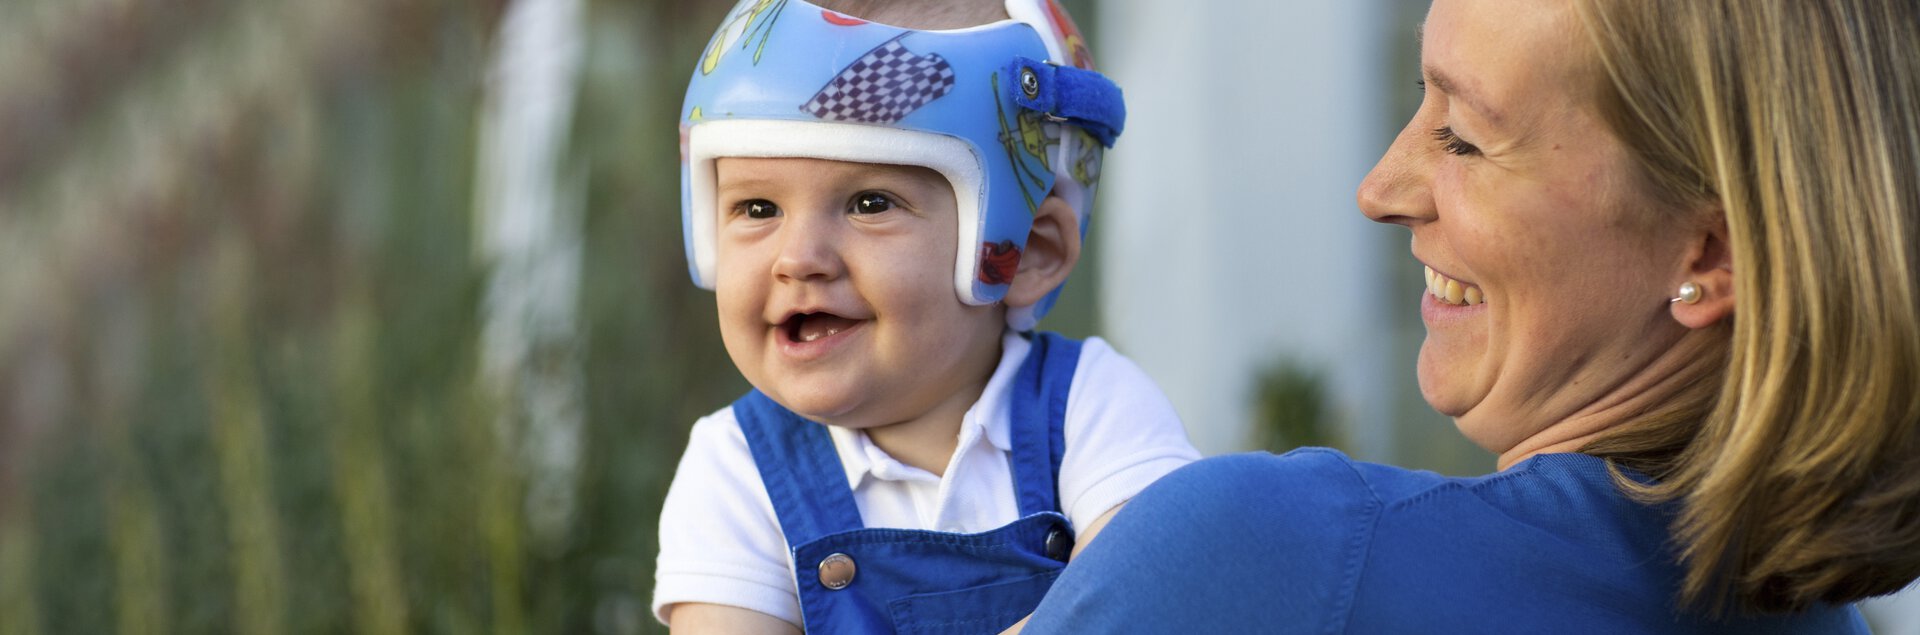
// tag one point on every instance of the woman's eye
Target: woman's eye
(1452, 143)
(757, 208)
(871, 203)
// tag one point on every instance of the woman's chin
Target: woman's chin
(1444, 403)
(1443, 384)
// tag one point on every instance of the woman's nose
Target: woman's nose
(1399, 189)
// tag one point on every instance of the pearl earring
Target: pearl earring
(1689, 293)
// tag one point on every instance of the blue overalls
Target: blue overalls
(858, 580)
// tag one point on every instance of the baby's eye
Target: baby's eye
(871, 203)
(757, 208)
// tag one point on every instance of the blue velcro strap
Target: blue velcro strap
(1075, 95)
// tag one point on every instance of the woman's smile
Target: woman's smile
(1452, 291)
(1449, 301)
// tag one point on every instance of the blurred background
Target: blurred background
(372, 316)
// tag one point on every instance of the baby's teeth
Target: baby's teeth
(1473, 296)
(1454, 292)
(814, 336)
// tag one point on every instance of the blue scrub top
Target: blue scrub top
(1314, 542)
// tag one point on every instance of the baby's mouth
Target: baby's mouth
(1450, 291)
(808, 327)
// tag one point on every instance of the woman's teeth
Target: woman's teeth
(1452, 291)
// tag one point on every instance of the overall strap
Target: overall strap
(1039, 414)
(802, 472)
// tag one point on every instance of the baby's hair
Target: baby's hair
(922, 14)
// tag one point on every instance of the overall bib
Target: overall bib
(853, 579)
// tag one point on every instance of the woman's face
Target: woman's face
(1554, 261)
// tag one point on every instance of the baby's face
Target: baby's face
(835, 288)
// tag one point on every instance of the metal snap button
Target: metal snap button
(1029, 83)
(836, 571)
(1059, 544)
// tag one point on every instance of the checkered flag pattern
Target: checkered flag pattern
(883, 86)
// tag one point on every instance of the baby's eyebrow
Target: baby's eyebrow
(743, 182)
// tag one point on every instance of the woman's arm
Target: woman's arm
(1241, 543)
(1086, 536)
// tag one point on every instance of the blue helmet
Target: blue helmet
(1008, 112)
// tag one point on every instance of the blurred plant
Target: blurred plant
(244, 312)
(1290, 406)
(282, 343)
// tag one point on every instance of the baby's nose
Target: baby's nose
(809, 250)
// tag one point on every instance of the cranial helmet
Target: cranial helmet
(1007, 112)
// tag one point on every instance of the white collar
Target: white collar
(988, 417)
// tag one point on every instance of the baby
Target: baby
(884, 212)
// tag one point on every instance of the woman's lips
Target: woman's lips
(1448, 300)
(1435, 311)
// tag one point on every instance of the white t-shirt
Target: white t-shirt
(720, 542)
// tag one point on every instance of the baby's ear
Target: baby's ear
(1053, 248)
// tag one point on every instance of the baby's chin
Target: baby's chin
(858, 415)
(833, 410)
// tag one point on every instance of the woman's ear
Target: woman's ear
(1053, 248)
(1709, 266)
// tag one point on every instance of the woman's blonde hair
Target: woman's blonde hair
(1797, 472)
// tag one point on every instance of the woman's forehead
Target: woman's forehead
(1494, 56)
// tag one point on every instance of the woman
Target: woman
(1671, 253)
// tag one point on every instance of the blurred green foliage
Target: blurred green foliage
(243, 315)
(1290, 409)
(242, 320)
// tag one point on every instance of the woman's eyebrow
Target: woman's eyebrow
(1446, 84)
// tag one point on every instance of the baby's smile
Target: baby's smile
(810, 327)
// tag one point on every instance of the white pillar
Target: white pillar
(527, 229)
(1231, 239)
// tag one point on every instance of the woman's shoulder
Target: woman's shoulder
(1237, 543)
(1551, 540)
(1312, 476)
(1324, 476)
(1318, 542)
